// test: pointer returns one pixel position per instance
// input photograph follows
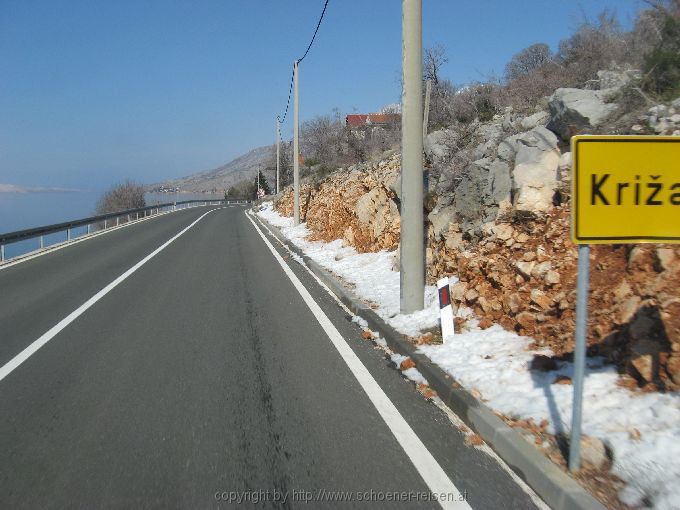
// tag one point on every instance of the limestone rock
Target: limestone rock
(594, 452)
(437, 143)
(539, 298)
(537, 119)
(535, 173)
(666, 258)
(673, 368)
(503, 231)
(628, 309)
(564, 166)
(576, 111)
(525, 268)
(645, 354)
(552, 277)
(616, 79)
(441, 219)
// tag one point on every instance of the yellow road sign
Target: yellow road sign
(625, 189)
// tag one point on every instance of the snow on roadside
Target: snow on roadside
(649, 465)
(370, 273)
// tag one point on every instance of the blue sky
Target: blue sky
(93, 92)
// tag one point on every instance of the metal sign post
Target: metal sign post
(625, 189)
(579, 354)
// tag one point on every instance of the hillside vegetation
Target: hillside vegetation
(499, 184)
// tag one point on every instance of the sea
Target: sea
(20, 211)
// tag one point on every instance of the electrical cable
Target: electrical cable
(290, 90)
(315, 31)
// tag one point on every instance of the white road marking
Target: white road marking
(11, 365)
(453, 418)
(428, 467)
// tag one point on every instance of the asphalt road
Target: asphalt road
(201, 377)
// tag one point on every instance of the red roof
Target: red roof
(372, 118)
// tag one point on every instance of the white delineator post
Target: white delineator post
(412, 245)
(445, 309)
(296, 150)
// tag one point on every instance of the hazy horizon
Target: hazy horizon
(99, 92)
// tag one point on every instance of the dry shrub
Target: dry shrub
(121, 197)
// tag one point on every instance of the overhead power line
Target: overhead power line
(315, 31)
(290, 89)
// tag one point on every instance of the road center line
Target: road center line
(428, 467)
(17, 360)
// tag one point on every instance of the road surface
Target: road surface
(203, 380)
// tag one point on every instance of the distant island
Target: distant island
(11, 188)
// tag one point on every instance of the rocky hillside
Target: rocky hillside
(220, 179)
(498, 217)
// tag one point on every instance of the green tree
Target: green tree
(662, 64)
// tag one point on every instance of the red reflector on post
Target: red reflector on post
(444, 298)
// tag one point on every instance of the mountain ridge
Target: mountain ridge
(223, 177)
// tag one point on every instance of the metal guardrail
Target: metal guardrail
(103, 221)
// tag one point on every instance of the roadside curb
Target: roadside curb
(554, 486)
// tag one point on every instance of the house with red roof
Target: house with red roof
(369, 120)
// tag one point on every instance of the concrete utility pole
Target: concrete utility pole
(296, 149)
(412, 246)
(278, 153)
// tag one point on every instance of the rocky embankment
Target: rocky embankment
(498, 217)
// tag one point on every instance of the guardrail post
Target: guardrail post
(105, 223)
(68, 234)
(89, 228)
(42, 242)
(137, 216)
(128, 218)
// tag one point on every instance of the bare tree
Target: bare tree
(286, 168)
(441, 104)
(528, 60)
(321, 138)
(127, 195)
(433, 60)
(592, 47)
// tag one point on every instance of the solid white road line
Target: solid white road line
(430, 470)
(9, 367)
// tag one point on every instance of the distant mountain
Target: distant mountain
(222, 178)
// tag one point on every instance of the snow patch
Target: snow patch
(496, 363)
